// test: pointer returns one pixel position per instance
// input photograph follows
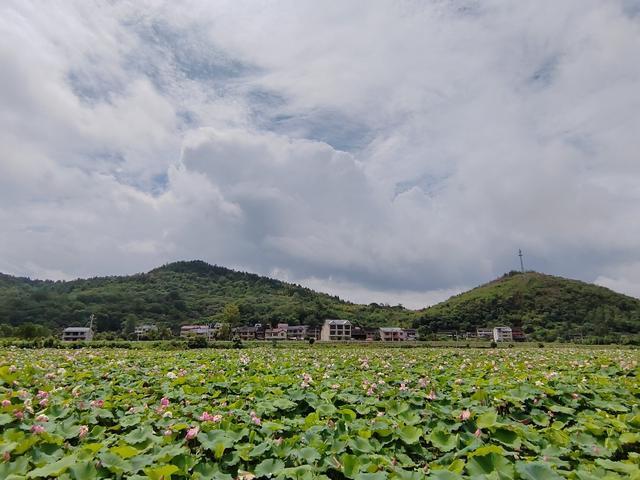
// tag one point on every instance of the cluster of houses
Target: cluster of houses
(333, 330)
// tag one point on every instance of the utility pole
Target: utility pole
(521, 262)
(91, 317)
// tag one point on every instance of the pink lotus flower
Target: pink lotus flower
(37, 429)
(431, 395)
(465, 415)
(164, 402)
(167, 433)
(97, 403)
(42, 394)
(255, 419)
(6, 403)
(19, 414)
(478, 433)
(44, 402)
(42, 418)
(192, 433)
(207, 417)
(84, 430)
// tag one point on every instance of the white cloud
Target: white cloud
(138, 133)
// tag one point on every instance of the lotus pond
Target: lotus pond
(356, 413)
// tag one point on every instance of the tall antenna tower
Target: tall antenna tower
(521, 262)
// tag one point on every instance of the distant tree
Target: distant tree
(129, 324)
(231, 314)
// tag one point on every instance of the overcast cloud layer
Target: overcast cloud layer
(383, 151)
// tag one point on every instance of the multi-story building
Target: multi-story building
(411, 334)
(502, 334)
(276, 333)
(205, 331)
(77, 334)
(392, 334)
(335, 330)
(245, 333)
(297, 332)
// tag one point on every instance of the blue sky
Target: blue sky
(383, 151)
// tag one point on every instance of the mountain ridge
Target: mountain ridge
(547, 307)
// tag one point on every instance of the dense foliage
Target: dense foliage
(329, 413)
(547, 307)
(182, 292)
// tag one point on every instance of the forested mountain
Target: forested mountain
(547, 307)
(178, 293)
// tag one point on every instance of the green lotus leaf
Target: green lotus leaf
(269, 468)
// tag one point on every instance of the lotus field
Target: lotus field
(320, 412)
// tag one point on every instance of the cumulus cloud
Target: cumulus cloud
(382, 151)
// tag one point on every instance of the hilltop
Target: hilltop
(547, 307)
(178, 293)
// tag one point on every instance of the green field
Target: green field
(357, 413)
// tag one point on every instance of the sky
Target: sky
(384, 151)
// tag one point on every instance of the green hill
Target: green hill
(547, 307)
(178, 293)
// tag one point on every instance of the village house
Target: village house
(358, 334)
(276, 333)
(392, 334)
(518, 335)
(335, 330)
(245, 333)
(502, 334)
(77, 334)
(205, 331)
(143, 331)
(297, 332)
(411, 334)
(313, 333)
(484, 333)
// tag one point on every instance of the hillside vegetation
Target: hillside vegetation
(178, 293)
(547, 307)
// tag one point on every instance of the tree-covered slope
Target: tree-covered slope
(547, 307)
(178, 293)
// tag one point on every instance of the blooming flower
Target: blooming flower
(37, 429)
(207, 417)
(84, 430)
(164, 402)
(19, 414)
(431, 395)
(6, 403)
(465, 415)
(192, 433)
(42, 418)
(478, 433)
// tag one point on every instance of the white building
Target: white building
(145, 330)
(335, 330)
(205, 331)
(77, 334)
(392, 334)
(502, 334)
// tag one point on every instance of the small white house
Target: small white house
(205, 331)
(502, 334)
(77, 334)
(335, 330)
(392, 334)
